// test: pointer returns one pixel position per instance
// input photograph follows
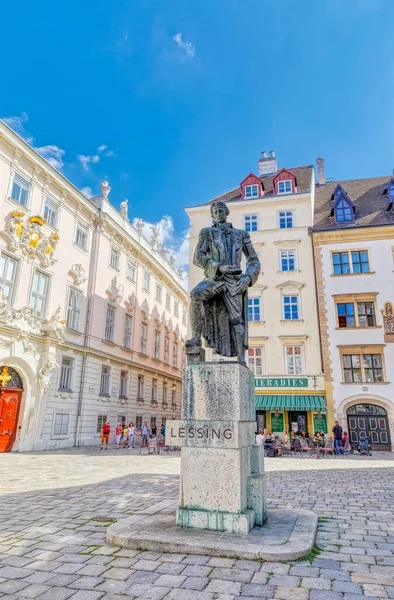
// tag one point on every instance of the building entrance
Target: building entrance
(11, 389)
(373, 422)
(298, 421)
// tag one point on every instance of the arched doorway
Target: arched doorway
(11, 389)
(373, 421)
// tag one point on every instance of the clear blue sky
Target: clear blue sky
(188, 115)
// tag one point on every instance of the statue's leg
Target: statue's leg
(234, 306)
(206, 289)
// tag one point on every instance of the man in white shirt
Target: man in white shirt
(145, 434)
(260, 438)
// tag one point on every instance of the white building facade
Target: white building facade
(92, 314)
(354, 243)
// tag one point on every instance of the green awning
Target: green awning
(290, 402)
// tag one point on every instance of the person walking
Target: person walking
(145, 434)
(337, 431)
(105, 431)
(132, 430)
(118, 434)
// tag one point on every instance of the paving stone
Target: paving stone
(304, 571)
(275, 568)
(15, 572)
(375, 590)
(87, 595)
(289, 593)
(260, 577)
(170, 568)
(327, 564)
(248, 565)
(288, 580)
(146, 565)
(143, 577)
(258, 591)
(57, 593)
(170, 581)
(197, 571)
(195, 583)
(346, 586)
(322, 595)
(62, 580)
(231, 575)
(86, 583)
(316, 583)
(12, 586)
(34, 590)
(172, 558)
(189, 595)
(196, 560)
(218, 586)
(118, 573)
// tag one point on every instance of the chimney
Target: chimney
(320, 171)
(267, 164)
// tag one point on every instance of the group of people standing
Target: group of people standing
(125, 435)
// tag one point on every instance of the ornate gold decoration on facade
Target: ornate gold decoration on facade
(4, 377)
(26, 234)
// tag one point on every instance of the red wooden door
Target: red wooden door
(10, 401)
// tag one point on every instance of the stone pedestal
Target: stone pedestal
(222, 470)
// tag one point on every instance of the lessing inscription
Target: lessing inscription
(208, 433)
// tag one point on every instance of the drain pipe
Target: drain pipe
(91, 287)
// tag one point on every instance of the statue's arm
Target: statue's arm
(201, 256)
(252, 260)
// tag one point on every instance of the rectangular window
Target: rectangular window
(74, 309)
(250, 223)
(166, 349)
(362, 368)
(144, 337)
(294, 361)
(114, 258)
(8, 277)
(252, 191)
(291, 310)
(255, 360)
(287, 260)
(285, 187)
(153, 423)
(66, 374)
(285, 219)
(61, 424)
(366, 314)
(254, 309)
(51, 212)
(110, 323)
(165, 392)
(176, 308)
(173, 397)
(159, 292)
(346, 317)
(184, 316)
(156, 349)
(123, 384)
(140, 389)
(154, 390)
(81, 236)
(175, 355)
(373, 367)
(344, 263)
(104, 381)
(168, 301)
(20, 190)
(352, 368)
(131, 270)
(128, 329)
(146, 281)
(138, 423)
(101, 420)
(39, 294)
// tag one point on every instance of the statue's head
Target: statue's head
(219, 211)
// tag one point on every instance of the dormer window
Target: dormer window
(251, 191)
(390, 194)
(343, 211)
(285, 186)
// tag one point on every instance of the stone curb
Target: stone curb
(253, 546)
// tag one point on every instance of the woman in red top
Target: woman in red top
(105, 431)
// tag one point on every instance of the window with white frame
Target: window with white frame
(291, 307)
(61, 423)
(104, 380)
(81, 235)
(255, 360)
(101, 420)
(156, 347)
(252, 191)
(173, 397)
(168, 301)
(250, 222)
(114, 258)
(254, 309)
(285, 186)
(285, 219)
(127, 331)
(184, 316)
(8, 277)
(110, 323)
(51, 212)
(287, 260)
(159, 292)
(154, 391)
(175, 354)
(144, 337)
(294, 361)
(123, 384)
(347, 262)
(165, 392)
(74, 309)
(166, 349)
(176, 308)
(141, 387)
(131, 270)
(39, 294)
(20, 190)
(138, 422)
(66, 374)
(146, 281)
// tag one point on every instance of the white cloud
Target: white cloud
(18, 125)
(187, 49)
(53, 154)
(102, 148)
(87, 191)
(87, 160)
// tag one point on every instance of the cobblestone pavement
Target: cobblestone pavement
(55, 508)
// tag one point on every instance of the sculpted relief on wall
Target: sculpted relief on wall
(26, 235)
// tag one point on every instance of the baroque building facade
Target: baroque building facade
(276, 206)
(353, 240)
(92, 314)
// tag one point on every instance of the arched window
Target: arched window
(366, 409)
(343, 211)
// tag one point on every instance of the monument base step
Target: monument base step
(288, 534)
(216, 520)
